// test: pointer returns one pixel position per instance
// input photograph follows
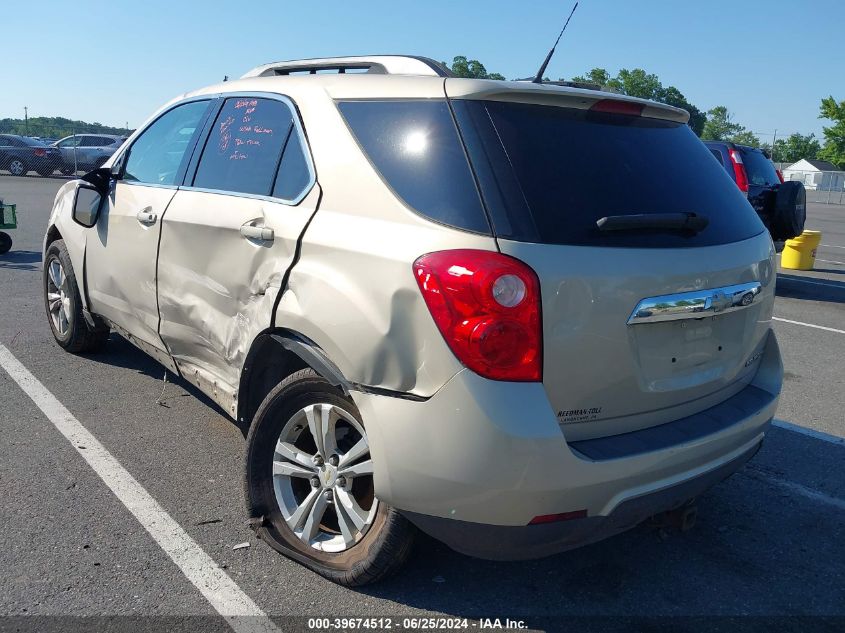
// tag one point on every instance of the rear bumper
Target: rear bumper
(493, 453)
(497, 542)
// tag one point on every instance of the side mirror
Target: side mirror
(100, 178)
(86, 205)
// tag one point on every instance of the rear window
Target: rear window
(547, 174)
(760, 169)
(415, 147)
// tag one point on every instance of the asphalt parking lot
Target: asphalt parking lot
(769, 546)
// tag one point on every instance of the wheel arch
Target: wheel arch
(275, 354)
(53, 234)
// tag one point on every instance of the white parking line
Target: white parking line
(818, 327)
(830, 261)
(807, 281)
(796, 488)
(831, 246)
(241, 613)
(819, 435)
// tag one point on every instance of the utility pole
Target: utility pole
(774, 140)
(26, 120)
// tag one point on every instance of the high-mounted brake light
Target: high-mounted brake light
(487, 307)
(739, 170)
(617, 106)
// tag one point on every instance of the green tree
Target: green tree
(720, 125)
(639, 83)
(795, 147)
(746, 137)
(57, 127)
(834, 136)
(471, 69)
(598, 76)
(674, 97)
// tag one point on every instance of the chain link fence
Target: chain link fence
(55, 150)
(827, 187)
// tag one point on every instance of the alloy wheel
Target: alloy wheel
(323, 477)
(17, 168)
(58, 297)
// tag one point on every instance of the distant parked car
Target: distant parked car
(781, 205)
(84, 152)
(20, 154)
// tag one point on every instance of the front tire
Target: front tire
(309, 476)
(64, 305)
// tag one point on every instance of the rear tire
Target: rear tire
(17, 167)
(64, 305)
(337, 548)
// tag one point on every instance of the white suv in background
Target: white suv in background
(470, 307)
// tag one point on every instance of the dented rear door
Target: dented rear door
(229, 236)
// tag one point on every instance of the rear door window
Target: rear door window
(244, 149)
(549, 173)
(415, 147)
(760, 169)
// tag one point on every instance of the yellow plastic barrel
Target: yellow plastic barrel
(800, 253)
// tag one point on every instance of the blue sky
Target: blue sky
(114, 62)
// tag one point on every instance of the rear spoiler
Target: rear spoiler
(562, 96)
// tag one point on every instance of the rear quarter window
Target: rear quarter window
(415, 147)
(717, 155)
(549, 173)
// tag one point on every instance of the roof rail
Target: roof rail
(373, 64)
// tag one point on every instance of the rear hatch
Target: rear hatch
(763, 179)
(642, 325)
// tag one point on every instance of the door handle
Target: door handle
(259, 233)
(146, 216)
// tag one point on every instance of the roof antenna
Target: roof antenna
(539, 78)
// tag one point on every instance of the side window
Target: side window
(294, 174)
(245, 145)
(88, 141)
(72, 141)
(415, 147)
(157, 154)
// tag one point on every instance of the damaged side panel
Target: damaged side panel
(353, 292)
(217, 283)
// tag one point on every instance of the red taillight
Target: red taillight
(780, 175)
(616, 106)
(40, 152)
(739, 171)
(487, 306)
(563, 516)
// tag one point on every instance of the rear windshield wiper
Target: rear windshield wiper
(689, 222)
